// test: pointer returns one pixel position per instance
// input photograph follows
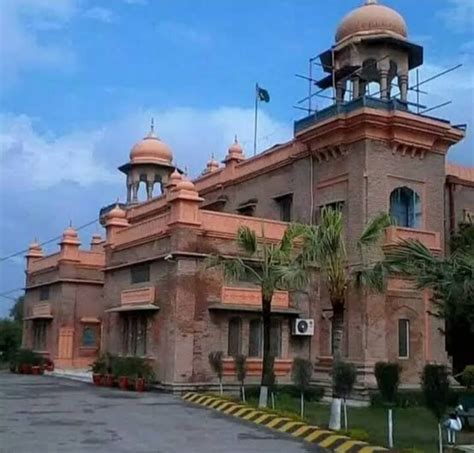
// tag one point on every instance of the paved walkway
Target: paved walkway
(48, 414)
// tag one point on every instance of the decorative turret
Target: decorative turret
(211, 167)
(69, 244)
(97, 243)
(150, 162)
(235, 153)
(35, 252)
(173, 180)
(115, 221)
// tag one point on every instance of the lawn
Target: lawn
(414, 427)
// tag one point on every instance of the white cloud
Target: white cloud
(42, 160)
(101, 14)
(459, 15)
(21, 23)
(184, 33)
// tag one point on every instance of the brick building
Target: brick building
(152, 292)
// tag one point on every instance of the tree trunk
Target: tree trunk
(337, 330)
(267, 366)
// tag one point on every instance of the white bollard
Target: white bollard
(390, 428)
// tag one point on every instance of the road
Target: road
(48, 414)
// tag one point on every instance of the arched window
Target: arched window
(235, 337)
(405, 207)
(255, 338)
(88, 337)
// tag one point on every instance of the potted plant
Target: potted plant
(37, 364)
(98, 368)
(109, 379)
(48, 365)
(25, 359)
(144, 375)
(121, 370)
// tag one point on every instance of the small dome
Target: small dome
(70, 233)
(185, 184)
(117, 213)
(35, 245)
(372, 17)
(211, 166)
(236, 148)
(151, 150)
(96, 238)
(175, 177)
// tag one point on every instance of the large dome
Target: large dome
(151, 150)
(372, 18)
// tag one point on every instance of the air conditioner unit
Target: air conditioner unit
(303, 327)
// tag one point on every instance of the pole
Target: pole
(440, 435)
(390, 428)
(310, 85)
(256, 121)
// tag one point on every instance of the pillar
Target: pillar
(355, 87)
(135, 192)
(129, 192)
(403, 85)
(340, 91)
(149, 190)
(384, 84)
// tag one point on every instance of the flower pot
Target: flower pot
(25, 368)
(97, 379)
(36, 370)
(140, 385)
(108, 380)
(123, 382)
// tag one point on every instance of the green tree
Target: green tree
(325, 246)
(301, 373)
(271, 266)
(16, 312)
(10, 338)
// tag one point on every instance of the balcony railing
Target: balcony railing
(430, 239)
(252, 296)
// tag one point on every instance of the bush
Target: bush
(301, 373)
(468, 376)
(10, 339)
(241, 367)
(388, 380)
(312, 393)
(27, 357)
(436, 389)
(132, 367)
(344, 376)
(356, 434)
(99, 365)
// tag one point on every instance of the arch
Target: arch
(405, 207)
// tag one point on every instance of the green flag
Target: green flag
(263, 95)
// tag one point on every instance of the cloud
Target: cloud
(101, 14)
(459, 15)
(21, 24)
(184, 34)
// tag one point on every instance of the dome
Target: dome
(372, 17)
(151, 150)
(117, 213)
(236, 148)
(96, 238)
(175, 177)
(70, 233)
(211, 166)
(185, 184)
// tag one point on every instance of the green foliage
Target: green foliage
(468, 376)
(463, 238)
(10, 339)
(301, 373)
(131, 367)
(99, 365)
(16, 312)
(435, 386)
(388, 380)
(241, 367)
(344, 376)
(216, 362)
(356, 434)
(312, 394)
(26, 357)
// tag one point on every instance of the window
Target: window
(248, 207)
(44, 293)
(275, 338)
(39, 335)
(89, 337)
(405, 207)
(234, 337)
(403, 338)
(255, 338)
(134, 334)
(335, 205)
(140, 273)
(285, 204)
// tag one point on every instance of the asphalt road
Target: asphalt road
(47, 414)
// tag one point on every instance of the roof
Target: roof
(461, 172)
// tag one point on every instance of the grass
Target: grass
(413, 427)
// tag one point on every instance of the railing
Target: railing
(92, 258)
(430, 239)
(137, 296)
(143, 229)
(251, 296)
(44, 263)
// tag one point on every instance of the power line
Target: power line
(22, 252)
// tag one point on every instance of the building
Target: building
(363, 154)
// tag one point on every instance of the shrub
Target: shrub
(436, 389)
(356, 434)
(217, 365)
(388, 379)
(26, 357)
(468, 376)
(301, 373)
(241, 367)
(99, 365)
(343, 377)
(312, 393)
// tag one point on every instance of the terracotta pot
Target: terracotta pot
(123, 382)
(49, 366)
(36, 370)
(140, 385)
(25, 368)
(97, 379)
(108, 380)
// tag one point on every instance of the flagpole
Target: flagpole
(256, 121)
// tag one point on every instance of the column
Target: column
(129, 192)
(403, 85)
(340, 91)
(384, 84)
(149, 190)
(362, 87)
(355, 87)
(135, 192)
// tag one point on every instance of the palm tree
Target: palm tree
(325, 246)
(272, 266)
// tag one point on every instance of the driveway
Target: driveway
(48, 414)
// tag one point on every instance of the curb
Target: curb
(321, 437)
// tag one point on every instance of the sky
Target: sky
(81, 79)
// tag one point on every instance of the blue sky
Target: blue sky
(80, 80)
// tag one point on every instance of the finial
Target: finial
(186, 170)
(212, 156)
(70, 223)
(371, 2)
(152, 124)
(235, 139)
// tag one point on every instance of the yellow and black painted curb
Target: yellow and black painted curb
(322, 437)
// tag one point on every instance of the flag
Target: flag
(263, 95)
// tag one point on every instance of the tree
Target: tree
(10, 339)
(217, 365)
(271, 266)
(241, 370)
(16, 312)
(388, 379)
(325, 246)
(344, 378)
(301, 373)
